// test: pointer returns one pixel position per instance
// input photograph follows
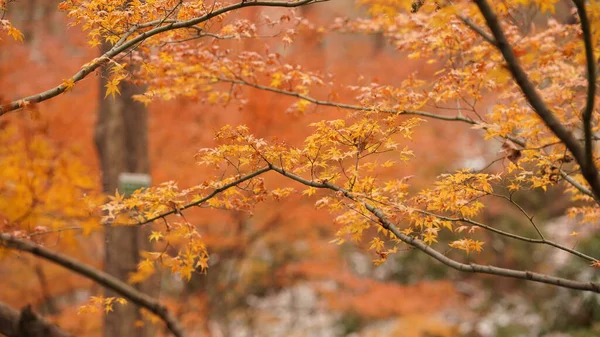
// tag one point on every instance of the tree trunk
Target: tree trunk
(121, 137)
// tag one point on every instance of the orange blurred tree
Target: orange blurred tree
(541, 77)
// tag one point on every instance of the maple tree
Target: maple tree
(539, 81)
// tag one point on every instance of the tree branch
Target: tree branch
(591, 79)
(590, 172)
(478, 30)
(349, 106)
(209, 196)
(425, 114)
(465, 220)
(416, 243)
(513, 236)
(121, 47)
(578, 186)
(420, 245)
(26, 323)
(99, 277)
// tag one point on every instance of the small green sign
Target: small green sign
(130, 182)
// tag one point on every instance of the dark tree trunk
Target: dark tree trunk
(121, 137)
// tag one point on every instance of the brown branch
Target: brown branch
(124, 45)
(99, 277)
(26, 323)
(543, 241)
(58, 230)
(577, 185)
(478, 30)
(518, 274)
(349, 106)
(590, 172)
(591, 79)
(418, 244)
(529, 217)
(209, 196)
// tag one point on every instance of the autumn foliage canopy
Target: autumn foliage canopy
(491, 107)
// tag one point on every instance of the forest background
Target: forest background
(273, 269)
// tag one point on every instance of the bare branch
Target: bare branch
(529, 217)
(99, 277)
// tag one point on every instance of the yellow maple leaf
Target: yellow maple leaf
(117, 198)
(429, 238)
(112, 39)
(68, 84)
(186, 272)
(277, 79)
(15, 33)
(112, 87)
(376, 244)
(202, 263)
(155, 236)
(309, 191)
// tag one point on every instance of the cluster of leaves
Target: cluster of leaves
(147, 204)
(44, 188)
(178, 62)
(471, 69)
(343, 152)
(6, 26)
(107, 21)
(47, 195)
(97, 303)
(195, 69)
